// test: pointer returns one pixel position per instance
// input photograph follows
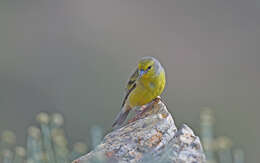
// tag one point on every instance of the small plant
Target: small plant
(45, 144)
(217, 149)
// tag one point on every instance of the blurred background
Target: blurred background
(74, 57)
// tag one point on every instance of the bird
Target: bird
(145, 84)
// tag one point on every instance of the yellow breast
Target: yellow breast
(146, 90)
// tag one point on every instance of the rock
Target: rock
(152, 137)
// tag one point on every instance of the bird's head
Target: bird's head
(148, 67)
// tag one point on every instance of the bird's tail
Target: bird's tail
(120, 118)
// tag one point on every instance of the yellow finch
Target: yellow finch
(145, 84)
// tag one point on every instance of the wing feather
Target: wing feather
(131, 84)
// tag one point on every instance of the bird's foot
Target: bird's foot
(140, 112)
(150, 105)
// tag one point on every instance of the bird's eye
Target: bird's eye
(149, 67)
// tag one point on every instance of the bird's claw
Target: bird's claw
(145, 108)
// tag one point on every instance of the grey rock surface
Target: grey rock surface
(151, 137)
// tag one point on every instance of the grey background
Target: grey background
(74, 57)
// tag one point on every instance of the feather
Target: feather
(120, 118)
(122, 115)
(131, 84)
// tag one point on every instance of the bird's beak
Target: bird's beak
(141, 72)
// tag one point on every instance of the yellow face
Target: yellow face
(146, 68)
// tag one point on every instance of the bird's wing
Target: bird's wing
(131, 84)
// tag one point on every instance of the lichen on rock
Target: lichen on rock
(152, 137)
